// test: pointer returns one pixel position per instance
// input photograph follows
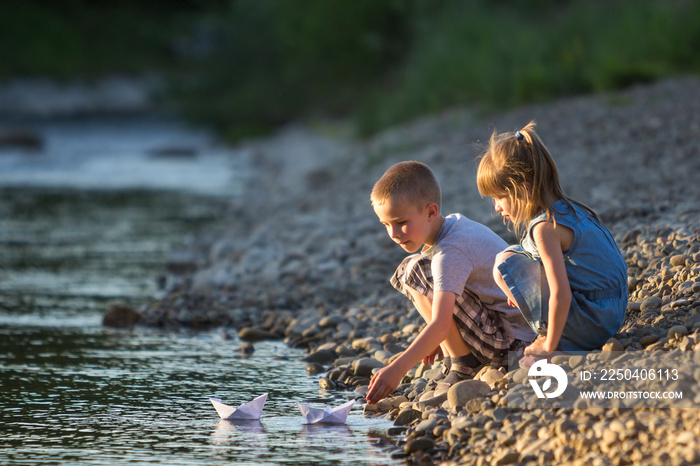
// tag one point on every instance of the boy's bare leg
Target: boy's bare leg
(454, 345)
(499, 279)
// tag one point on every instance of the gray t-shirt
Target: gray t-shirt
(462, 257)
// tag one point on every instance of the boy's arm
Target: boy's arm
(549, 246)
(385, 381)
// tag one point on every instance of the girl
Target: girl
(567, 276)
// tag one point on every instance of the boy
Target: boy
(450, 281)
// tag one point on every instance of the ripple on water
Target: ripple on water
(142, 396)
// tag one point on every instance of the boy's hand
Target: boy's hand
(430, 359)
(383, 383)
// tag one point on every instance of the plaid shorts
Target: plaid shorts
(479, 326)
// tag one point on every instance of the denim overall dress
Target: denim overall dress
(597, 273)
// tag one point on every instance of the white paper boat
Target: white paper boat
(251, 410)
(329, 415)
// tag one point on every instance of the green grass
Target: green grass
(499, 55)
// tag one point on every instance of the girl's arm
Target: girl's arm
(549, 240)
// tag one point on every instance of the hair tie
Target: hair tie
(518, 135)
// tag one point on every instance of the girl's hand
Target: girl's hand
(538, 347)
(383, 383)
(430, 359)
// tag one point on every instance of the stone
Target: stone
(407, 416)
(426, 425)
(320, 356)
(520, 375)
(466, 390)
(653, 302)
(247, 348)
(120, 316)
(393, 348)
(419, 444)
(365, 344)
(432, 401)
(491, 376)
(255, 334)
(649, 339)
(327, 384)
(314, 368)
(363, 367)
(613, 345)
(507, 457)
(331, 321)
(396, 430)
(677, 332)
(679, 260)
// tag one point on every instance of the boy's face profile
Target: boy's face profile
(409, 226)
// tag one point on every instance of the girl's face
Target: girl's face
(503, 206)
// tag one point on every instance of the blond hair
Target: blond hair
(518, 166)
(410, 181)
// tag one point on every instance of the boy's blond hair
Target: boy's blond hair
(410, 181)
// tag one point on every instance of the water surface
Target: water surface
(88, 222)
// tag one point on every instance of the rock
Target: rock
(466, 390)
(314, 368)
(393, 348)
(613, 345)
(247, 348)
(419, 444)
(397, 430)
(426, 425)
(365, 344)
(432, 401)
(397, 401)
(407, 417)
(255, 334)
(327, 384)
(363, 367)
(677, 332)
(331, 321)
(653, 302)
(120, 316)
(520, 375)
(507, 457)
(320, 356)
(679, 260)
(491, 376)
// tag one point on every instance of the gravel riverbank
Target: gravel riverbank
(303, 258)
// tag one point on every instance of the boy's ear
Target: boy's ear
(433, 210)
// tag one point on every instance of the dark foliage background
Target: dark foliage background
(246, 66)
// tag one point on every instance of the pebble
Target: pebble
(419, 444)
(407, 416)
(466, 390)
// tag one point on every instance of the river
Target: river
(88, 220)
